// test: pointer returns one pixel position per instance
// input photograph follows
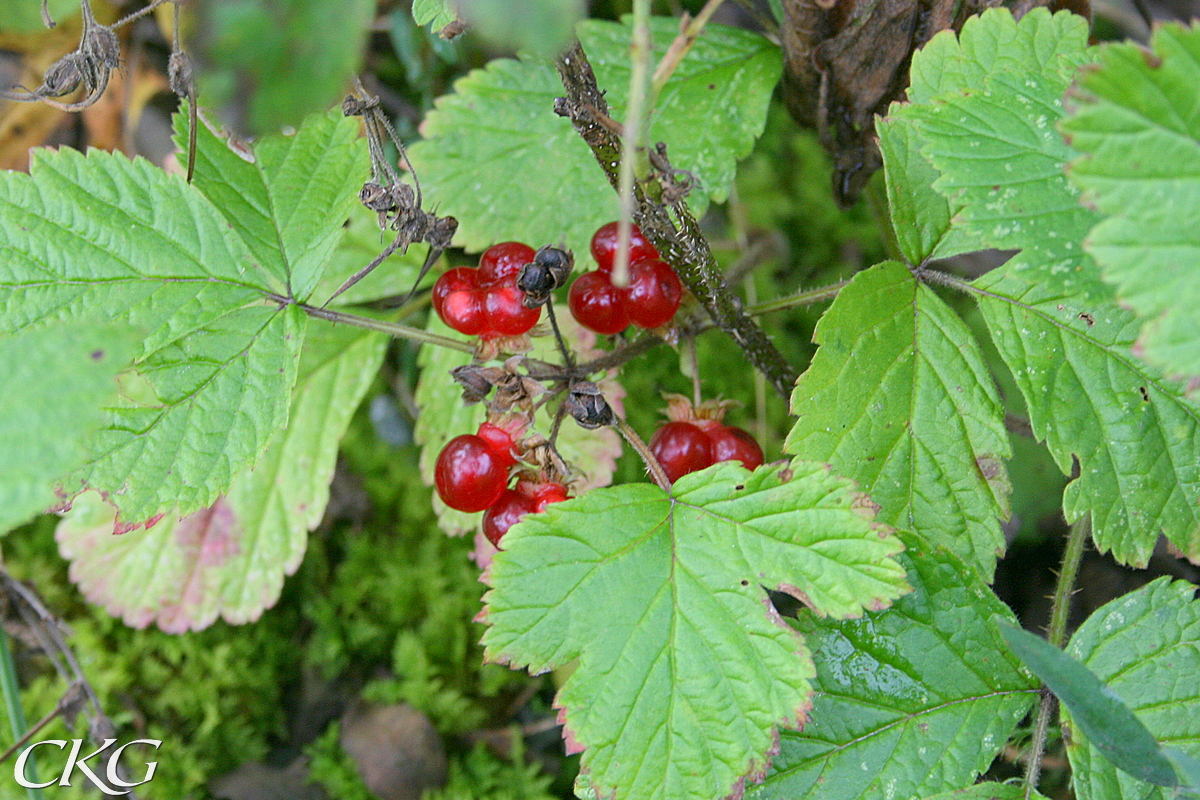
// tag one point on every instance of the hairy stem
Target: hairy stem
(680, 241)
(806, 298)
(1060, 611)
(390, 328)
(652, 466)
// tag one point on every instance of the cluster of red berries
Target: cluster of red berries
(649, 301)
(696, 438)
(472, 475)
(486, 301)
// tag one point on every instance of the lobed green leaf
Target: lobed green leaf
(908, 700)
(230, 559)
(685, 670)
(1056, 326)
(899, 399)
(435, 13)
(1145, 647)
(99, 237)
(1134, 119)
(497, 157)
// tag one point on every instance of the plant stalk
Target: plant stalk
(639, 57)
(390, 328)
(1060, 612)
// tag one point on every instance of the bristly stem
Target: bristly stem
(675, 233)
(639, 57)
(806, 298)
(657, 474)
(390, 328)
(1060, 612)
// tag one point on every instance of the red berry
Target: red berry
(458, 301)
(506, 312)
(680, 448)
(604, 246)
(469, 475)
(527, 498)
(653, 294)
(547, 493)
(597, 304)
(501, 262)
(499, 441)
(734, 444)
(506, 512)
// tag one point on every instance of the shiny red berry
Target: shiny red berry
(604, 246)
(499, 441)
(469, 475)
(680, 448)
(514, 504)
(501, 262)
(504, 513)
(459, 302)
(734, 444)
(653, 294)
(506, 312)
(597, 304)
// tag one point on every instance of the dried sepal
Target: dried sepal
(587, 406)
(681, 409)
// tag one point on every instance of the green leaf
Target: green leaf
(101, 237)
(928, 223)
(1099, 711)
(1145, 647)
(685, 670)
(899, 399)
(1066, 342)
(444, 415)
(55, 381)
(1134, 433)
(909, 700)
(288, 203)
(1135, 122)
(229, 559)
(271, 62)
(498, 158)
(435, 13)
(541, 27)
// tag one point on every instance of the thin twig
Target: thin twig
(568, 356)
(140, 13)
(680, 47)
(1060, 612)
